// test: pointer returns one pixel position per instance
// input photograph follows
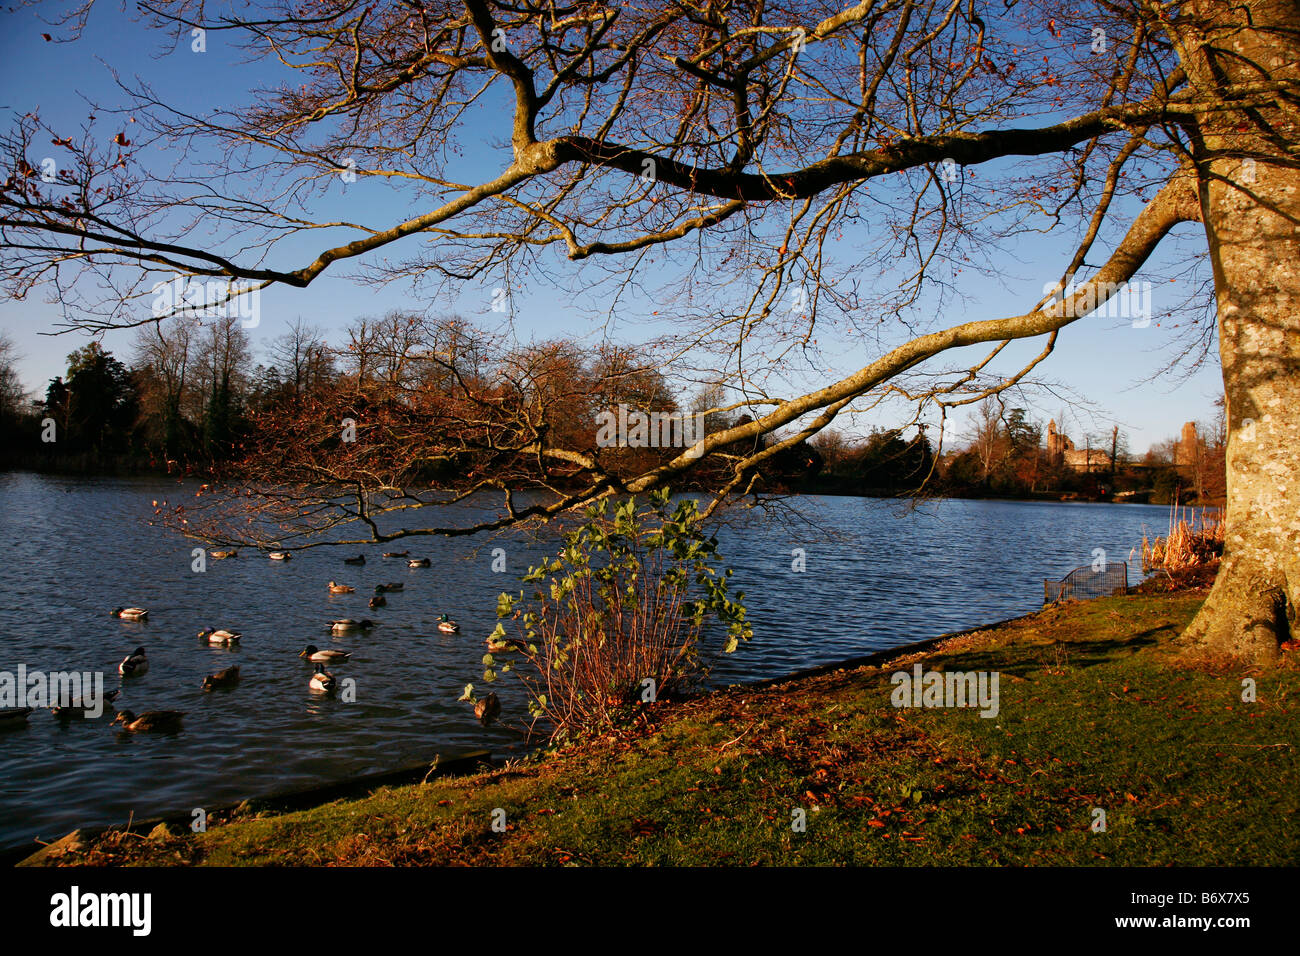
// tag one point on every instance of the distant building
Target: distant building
(1061, 451)
(1191, 447)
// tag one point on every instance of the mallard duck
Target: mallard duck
(155, 721)
(396, 554)
(219, 555)
(391, 586)
(131, 613)
(497, 645)
(378, 601)
(226, 678)
(447, 625)
(280, 555)
(418, 563)
(327, 656)
(345, 624)
(77, 708)
(341, 588)
(487, 709)
(323, 680)
(134, 664)
(359, 559)
(220, 638)
(13, 716)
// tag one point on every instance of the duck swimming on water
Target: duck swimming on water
(220, 638)
(224, 678)
(328, 656)
(345, 625)
(78, 709)
(134, 664)
(151, 721)
(487, 709)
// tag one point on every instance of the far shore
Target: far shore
(834, 490)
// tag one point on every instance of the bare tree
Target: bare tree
(303, 356)
(766, 127)
(988, 436)
(12, 394)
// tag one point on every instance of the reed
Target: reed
(1193, 540)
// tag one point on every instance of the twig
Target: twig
(432, 767)
(737, 739)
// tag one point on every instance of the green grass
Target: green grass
(1095, 712)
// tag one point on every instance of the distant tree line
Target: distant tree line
(403, 395)
(441, 403)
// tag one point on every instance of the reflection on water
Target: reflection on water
(877, 575)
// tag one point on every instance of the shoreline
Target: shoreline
(315, 795)
(1097, 703)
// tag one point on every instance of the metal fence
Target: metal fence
(1087, 582)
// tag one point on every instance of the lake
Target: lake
(877, 574)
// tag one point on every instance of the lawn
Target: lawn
(1096, 713)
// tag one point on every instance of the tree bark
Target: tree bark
(1250, 195)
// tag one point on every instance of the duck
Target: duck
(134, 664)
(219, 555)
(447, 625)
(359, 559)
(487, 709)
(77, 708)
(345, 624)
(397, 554)
(224, 678)
(13, 716)
(341, 588)
(131, 613)
(418, 563)
(385, 588)
(327, 656)
(155, 721)
(378, 601)
(323, 680)
(220, 638)
(280, 555)
(497, 645)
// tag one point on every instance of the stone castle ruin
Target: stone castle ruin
(1061, 450)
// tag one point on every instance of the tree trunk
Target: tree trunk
(1250, 197)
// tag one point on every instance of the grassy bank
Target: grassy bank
(1095, 713)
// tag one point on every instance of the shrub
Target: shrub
(626, 601)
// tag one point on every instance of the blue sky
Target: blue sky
(1106, 361)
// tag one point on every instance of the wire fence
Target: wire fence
(1088, 582)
